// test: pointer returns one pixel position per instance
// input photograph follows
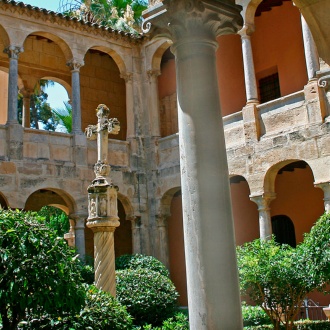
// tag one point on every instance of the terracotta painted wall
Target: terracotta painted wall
(101, 83)
(167, 79)
(297, 198)
(176, 250)
(277, 42)
(245, 213)
(230, 74)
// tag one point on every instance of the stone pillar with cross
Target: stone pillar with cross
(102, 202)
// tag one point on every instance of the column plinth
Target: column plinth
(212, 281)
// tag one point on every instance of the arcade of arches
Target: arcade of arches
(275, 113)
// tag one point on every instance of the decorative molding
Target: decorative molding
(323, 82)
(13, 51)
(127, 76)
(75, 65)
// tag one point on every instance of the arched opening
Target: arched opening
(42, 63)
(176, 247)
(296, 196)
(278, 50)
(283, 230)
(100, 82)
(245, 212)
(3, 202)
(167, 95)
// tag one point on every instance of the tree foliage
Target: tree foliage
(38, 272)
(278, 277)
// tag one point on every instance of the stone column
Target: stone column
(212, 280)
(311, 55)
(326, 190)
(80, 234)
(163, 254)
(128, 77)
(13, 53)
(154, 103)
(249, 72)
(26, 107)
(75, 66)
(70, 236)
(136, 233)
(265, 221)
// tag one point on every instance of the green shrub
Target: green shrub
(149, 296)
(137, 261)
(299, 325)
(254, 315)
(87, 273)
(178, 322)
(101, 312)
(38, 271)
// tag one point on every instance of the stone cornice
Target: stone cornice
(59, 19)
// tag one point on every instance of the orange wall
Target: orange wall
(245, 213)
(167, 79)
(3, 97)
(176, 250)
(277, 42)
(297, 198)
(230, 74)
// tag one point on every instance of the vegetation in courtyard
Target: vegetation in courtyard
(278, 277)
(121, 15)
(38, 272)
(138, 261)
(64, 116)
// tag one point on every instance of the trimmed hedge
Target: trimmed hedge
(138, 261)
(300, 325)
(254, 315)
(178, 322)
(149, 296)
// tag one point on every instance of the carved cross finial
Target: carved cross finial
(100, 132)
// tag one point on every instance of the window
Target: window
(283, 230)
(269, 88)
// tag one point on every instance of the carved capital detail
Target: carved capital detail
(186, 18)
(127, 76)
(13, 51)
(153, 74)
(263, 201)
(246, 31)
(75, 65)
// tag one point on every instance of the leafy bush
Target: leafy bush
(55, 219)
(38, 271)
(137, 261)
(254, 315)
(101, 312)
(178, 322)
(278, 277)
(300, 325)
(149, 296)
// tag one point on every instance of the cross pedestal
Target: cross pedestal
(102, 203)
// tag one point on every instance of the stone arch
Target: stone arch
(3, 201)
(129, 210)
(62, 82)
(114, 54)
(165, 204)
(50, 196)
(245, 213)
(158, 54)
(56, 39)
(4, 37)
(292, 185)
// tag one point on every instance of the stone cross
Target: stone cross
(102, 202)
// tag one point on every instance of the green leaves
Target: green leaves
(278, 277)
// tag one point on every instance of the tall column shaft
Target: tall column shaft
(76, 103)
(326, 190)
(311, 55)
(128, 77)
(26, 112)
(212, 281)
(13, 53)
(80, 235)
(104, 260)
(249, 72)
(265, 220)
(154, 103)
(163, 254)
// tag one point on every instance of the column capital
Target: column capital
(263, 201)
(161, 220)
(247, 30)
(178, 19)
(75, 65)
(127, 76)
(153, 74)
(13, 51)
(26, 92)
